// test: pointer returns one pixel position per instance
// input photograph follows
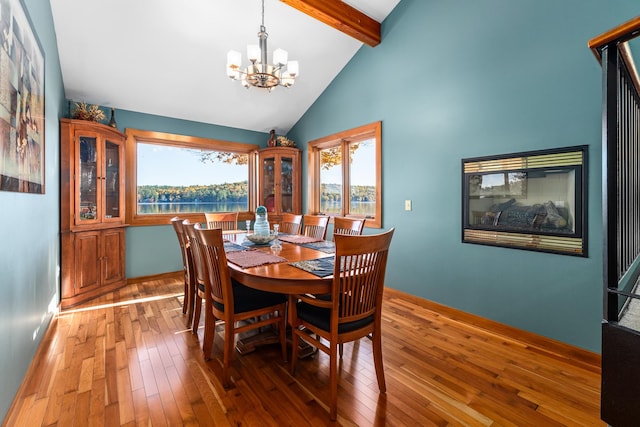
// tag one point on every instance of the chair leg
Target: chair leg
(377, 361)
(340, 349)
(295, 342)
(209, 335)
(185, 300)
(333, 379)
(282, 330)
(196, 315)
(191, 307)
(190, 310)
(229, 339)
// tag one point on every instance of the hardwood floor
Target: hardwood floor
(128, 359)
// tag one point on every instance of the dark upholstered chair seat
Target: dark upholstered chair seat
(248, 299)
(321, 317)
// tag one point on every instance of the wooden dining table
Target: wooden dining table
(280, 277)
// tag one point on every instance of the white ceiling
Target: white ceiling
(168, 57)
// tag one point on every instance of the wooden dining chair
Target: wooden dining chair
(187, 265)
(349, 226)
(354, 309)
(315, 226)
(199, 274)
(234, 303)
(224, 220)
(290, 223)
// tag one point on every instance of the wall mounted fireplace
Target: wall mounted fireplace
(533, 200)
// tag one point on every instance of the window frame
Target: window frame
(369, 131)
(135, 136)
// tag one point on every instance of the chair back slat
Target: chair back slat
(177, 226)
(359, 274)
(198, 262)
(218, 281)
(290, 223)
(224, 220)
(315, 226)
(180, 233)
(350, 226)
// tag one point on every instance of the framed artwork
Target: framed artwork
(22, 112)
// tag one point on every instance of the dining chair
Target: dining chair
(290, 223)
(350, 226)
(354, 309)
(224, 220)
(199, 274)
(240, 307)
(315, 226)
(187, 265)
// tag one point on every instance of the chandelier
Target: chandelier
(260, 73)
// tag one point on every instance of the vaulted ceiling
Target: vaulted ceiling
(168, 58)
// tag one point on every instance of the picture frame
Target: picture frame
(22, 102)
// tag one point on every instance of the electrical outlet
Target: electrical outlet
(407, 205)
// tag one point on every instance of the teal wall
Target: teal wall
(29, 236)
(154, 249)
(470, 78)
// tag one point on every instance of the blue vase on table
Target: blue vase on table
(261, 226)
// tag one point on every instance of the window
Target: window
(170, 175)
(347, 188)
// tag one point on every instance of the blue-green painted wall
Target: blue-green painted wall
(29, 236)
(154, 249)
(470, 78)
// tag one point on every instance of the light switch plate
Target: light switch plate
(407, 205)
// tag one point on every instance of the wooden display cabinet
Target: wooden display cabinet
(279, 181)
(92, 210)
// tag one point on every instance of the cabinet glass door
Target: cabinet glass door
(112, 180)
(269, 184)
(88, 179)
(286, 184)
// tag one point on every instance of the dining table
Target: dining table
(298, 265)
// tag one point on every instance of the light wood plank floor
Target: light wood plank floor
(127, 359)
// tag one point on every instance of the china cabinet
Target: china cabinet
(279, 181)
(92, 210)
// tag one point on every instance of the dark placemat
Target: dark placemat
(233, 247)
(321, 267)
(323, 246)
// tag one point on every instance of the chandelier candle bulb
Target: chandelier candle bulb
(280, 57)
(234, 59)
(292, 69)
(253, 52)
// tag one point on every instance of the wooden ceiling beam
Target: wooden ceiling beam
(342, 17)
